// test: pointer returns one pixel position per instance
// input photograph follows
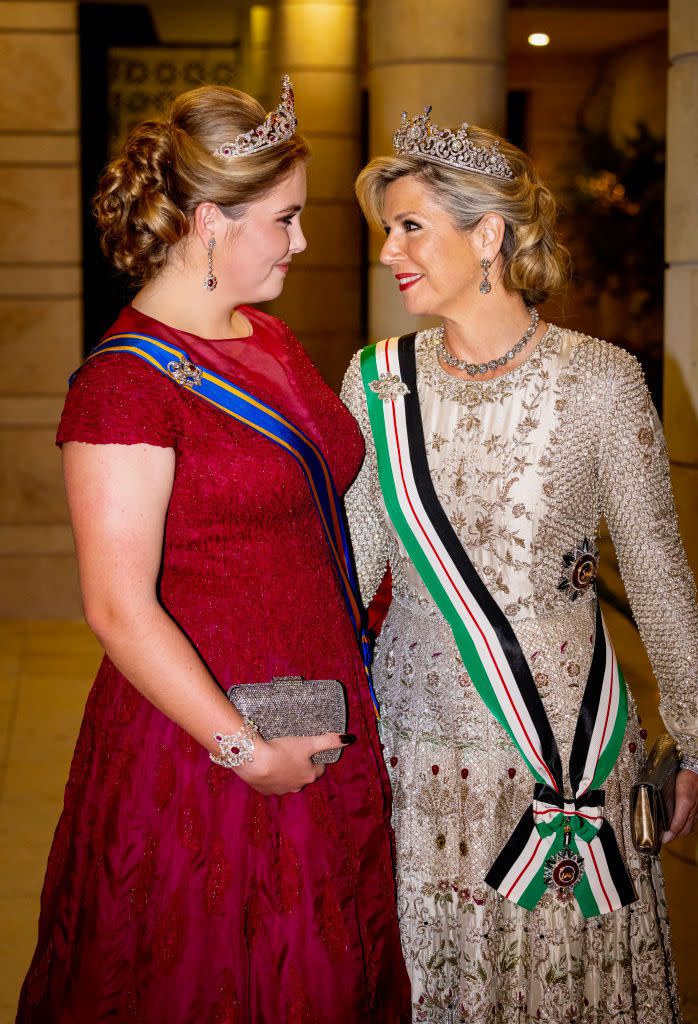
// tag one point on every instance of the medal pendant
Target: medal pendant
(562, 872)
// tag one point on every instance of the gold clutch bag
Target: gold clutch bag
(652, 796)
(293, 706)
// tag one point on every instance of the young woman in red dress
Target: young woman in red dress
(179, 890)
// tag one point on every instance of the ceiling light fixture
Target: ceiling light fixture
(539, 39)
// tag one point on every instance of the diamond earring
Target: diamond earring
(210, 281)
(485, 286)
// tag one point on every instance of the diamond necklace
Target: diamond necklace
(493, 364)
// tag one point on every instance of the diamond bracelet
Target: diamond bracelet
(238, 748)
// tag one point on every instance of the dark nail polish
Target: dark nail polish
(348, 738)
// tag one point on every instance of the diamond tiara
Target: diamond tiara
(422, 139)
(278, 126)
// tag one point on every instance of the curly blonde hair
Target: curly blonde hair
(148, 194)
(535, 263)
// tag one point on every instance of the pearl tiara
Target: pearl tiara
(278, 126)
(420, 138)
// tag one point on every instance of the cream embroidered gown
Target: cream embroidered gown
(524, 465)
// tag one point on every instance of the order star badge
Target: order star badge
(562, 872)
(388, 387)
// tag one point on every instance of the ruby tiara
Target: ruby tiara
(420, 138)
(278, 126)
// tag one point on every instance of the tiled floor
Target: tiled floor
(45, 672)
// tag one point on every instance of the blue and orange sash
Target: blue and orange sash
(245, 408)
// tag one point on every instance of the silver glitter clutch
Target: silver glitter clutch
(293, 706)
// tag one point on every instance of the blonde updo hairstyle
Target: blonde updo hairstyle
(535, 263)
(147, 196)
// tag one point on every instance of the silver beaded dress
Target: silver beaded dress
(525, 466)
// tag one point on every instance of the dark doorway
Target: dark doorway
(517, 110)
(102, 26)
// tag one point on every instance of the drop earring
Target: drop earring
(210, 281)
(485, 286)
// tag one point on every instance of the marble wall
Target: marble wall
(40, 299)
(316, 42)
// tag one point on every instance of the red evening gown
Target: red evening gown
(175, 894)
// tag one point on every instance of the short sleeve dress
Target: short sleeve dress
(174, 892)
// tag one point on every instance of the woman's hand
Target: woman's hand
(685, 806)
(283, 765)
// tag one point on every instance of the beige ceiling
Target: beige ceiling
(581, 31)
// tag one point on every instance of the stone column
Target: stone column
(40, 300)
(317, 45)
(257, 54)
(681, 285)
(451, 55)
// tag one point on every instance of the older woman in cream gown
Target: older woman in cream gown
(525, 447)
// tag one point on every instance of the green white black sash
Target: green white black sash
(565, 844)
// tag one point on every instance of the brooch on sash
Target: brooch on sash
(184, 372)
(388, 387)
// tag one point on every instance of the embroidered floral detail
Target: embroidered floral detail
(170, 934)
(352, 859)
(116, 773)
(437, 442)
(145, 877)
(321, 813)
(388, 387)
(332, 927)
(164, 780)
(190, 823)
(259, 823)
(133, 1005)
(299, 1010)
(580, 567)
(253, 914)
(129, 702)
(226, 1009)
(186, 744)
(36, 984)
(217, 778)
(219, 877)
(290, 876)
(94, 872)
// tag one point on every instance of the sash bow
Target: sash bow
(582, 817)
